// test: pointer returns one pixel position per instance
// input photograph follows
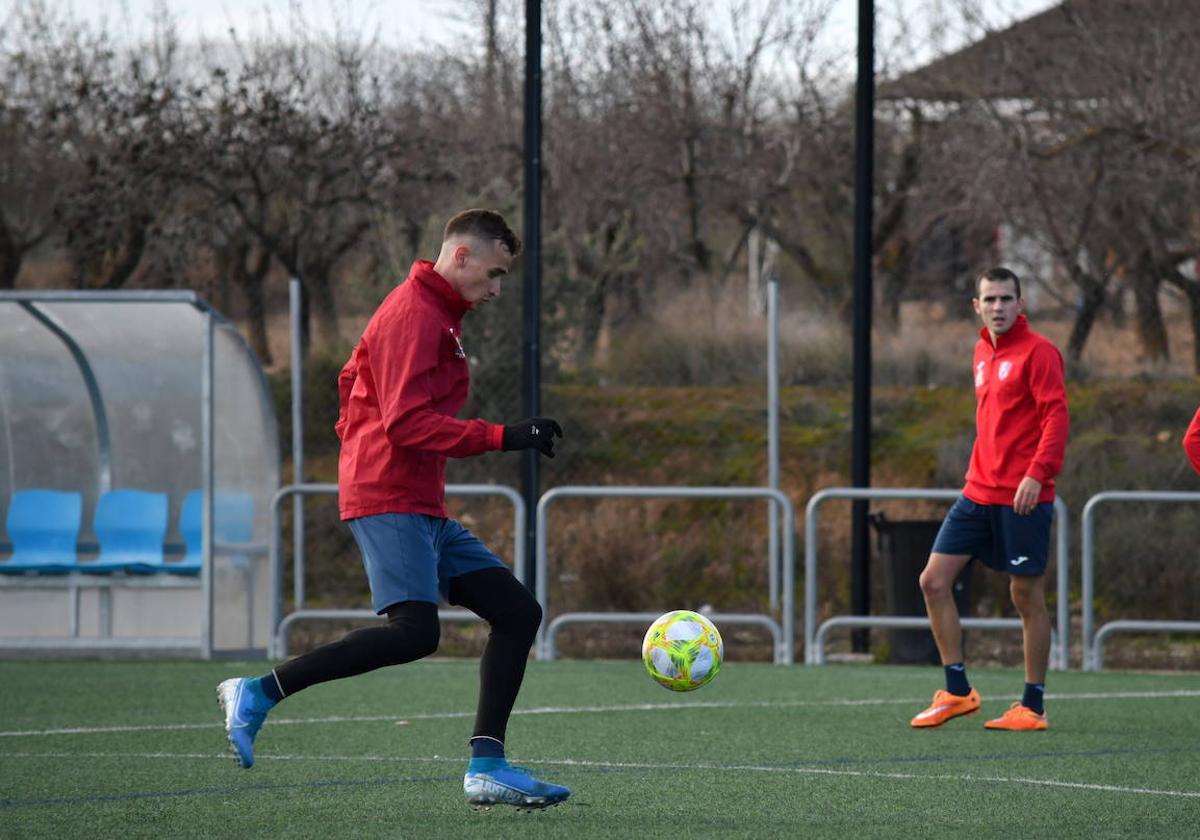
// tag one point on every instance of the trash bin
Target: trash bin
(903, 551)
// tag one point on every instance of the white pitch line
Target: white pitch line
(575, 710)
(227, 757)
(1124, 695)
(622, 765)
(825, 771)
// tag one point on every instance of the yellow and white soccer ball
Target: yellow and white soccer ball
(682, 650)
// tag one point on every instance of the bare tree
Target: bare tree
(1074, 128)
(295, 145)
(86, 116)
(30, 179)
(665, 146)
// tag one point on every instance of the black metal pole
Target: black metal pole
(864, 183)
(531, 354)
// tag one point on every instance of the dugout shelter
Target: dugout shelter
(139, 455)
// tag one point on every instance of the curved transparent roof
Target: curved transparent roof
(105, 390)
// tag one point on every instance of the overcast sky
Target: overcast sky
(448, 24)
(413, 22)
(396, 20)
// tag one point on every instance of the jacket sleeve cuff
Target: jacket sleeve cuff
(496, 436)
(1039, 472)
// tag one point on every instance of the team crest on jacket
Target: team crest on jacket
(1005, 369)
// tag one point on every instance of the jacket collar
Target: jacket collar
(422, 273)
(1016, 332)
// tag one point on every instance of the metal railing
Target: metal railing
(782, 633)
(784, 636)
(813, 638)
(912, 622)
(280, 623)
(1093, 644)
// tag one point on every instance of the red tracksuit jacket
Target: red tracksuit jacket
(1191, 442)
(398, 395)
(1021, 417)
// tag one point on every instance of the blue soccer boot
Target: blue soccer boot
(493, 781)
(245, 707)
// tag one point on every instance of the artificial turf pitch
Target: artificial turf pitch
(137, 749)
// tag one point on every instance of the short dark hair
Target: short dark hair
(483, 224)
(999, 274)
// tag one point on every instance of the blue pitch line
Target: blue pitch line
(935, 759)
(218, 791)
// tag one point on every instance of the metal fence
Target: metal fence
(1093, 643)
(814, 638)
(784, 635)
(783, 629)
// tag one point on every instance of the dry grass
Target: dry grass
(709, 337)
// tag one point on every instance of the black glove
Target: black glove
(535, 433)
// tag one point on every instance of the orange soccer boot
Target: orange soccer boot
(946, 706)
(1018, 718)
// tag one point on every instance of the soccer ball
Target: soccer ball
(682, 650)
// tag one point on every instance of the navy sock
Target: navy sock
(269, 686)
(483, 746)
(956, 679)
(1035, 697)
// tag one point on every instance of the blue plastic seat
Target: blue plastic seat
(233, 522)
(130, 526)
(43, 526)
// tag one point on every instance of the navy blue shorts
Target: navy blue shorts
(412, 556)
(1001, 539)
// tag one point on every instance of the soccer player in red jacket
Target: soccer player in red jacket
(399, 393)
(1191, 442)
(1004, 514)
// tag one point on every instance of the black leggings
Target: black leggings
(515, 615)
(413, 632)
